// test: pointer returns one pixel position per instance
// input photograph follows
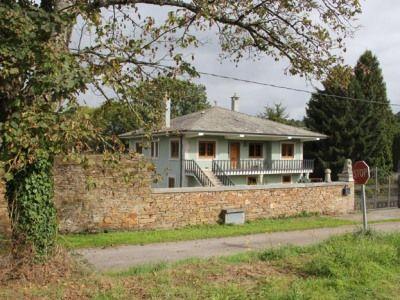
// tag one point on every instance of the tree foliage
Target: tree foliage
(360, 130)
(39, 81)
(333, 117)
(115, 117)
(278, 113)
(186, 97)
(42, 72)
(381, 119)
(396, 143)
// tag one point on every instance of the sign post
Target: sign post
(361, 175)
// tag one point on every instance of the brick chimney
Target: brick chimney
(235, 102)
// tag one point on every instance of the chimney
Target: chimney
(167, 112)
(235, 102)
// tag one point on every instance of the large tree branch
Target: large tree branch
(275, 28)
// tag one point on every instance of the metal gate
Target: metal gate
(382, 191)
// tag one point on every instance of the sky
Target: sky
(378, 32)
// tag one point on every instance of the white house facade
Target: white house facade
(218, 146)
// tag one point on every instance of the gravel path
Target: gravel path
(122, 257)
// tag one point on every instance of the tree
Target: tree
(278, 113)
(115, 117)
(381, 120)
(332, 116)
(42, 73)
(396, 143)
(360, 130)
(186, 97)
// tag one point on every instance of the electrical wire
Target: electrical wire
(294, 89)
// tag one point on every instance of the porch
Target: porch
(262, 166)
(220, 172)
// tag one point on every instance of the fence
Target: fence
(382, 191)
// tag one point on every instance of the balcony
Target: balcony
(260, 166)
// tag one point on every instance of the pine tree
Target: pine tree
(381, 125)
(359, 130)
(333, 117)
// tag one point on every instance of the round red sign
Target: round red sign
(360, 172)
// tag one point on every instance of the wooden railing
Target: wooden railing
(279, 166)
(225, 180)
(191, 167)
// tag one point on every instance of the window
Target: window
(207, 149)
(286, 179)
(139, 148)
(154, 149)
(251, 180)
(287, 151)
(174, 149)
(171, 182)
(255, 150)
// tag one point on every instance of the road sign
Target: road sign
(361, 175)
(361, 172)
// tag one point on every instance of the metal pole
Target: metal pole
(388, 204)
(376, 188)
(364, 208)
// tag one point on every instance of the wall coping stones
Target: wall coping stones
(244, 188)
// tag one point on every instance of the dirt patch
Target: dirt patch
(60, 267)
(197, 275)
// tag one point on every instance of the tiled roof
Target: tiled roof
(222, 120)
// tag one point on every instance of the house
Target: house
(218, 146)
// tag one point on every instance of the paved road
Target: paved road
(375, 215)
(117, 258)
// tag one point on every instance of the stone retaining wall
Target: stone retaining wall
(178, 208)
(96, 199)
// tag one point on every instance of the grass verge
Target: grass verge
(353, 266)
(74, 241)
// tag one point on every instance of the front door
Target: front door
(234, 154)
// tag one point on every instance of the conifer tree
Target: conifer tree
(359, 130)
(331, 116)
(396, 143)
(378, 148)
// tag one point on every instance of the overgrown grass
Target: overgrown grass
(357, 266)
(4, 245)
(73, 241)
(353, 266)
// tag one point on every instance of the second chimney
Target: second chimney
(167, 112)
(235, 102)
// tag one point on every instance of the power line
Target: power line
(292, 89)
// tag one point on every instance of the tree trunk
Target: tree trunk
(32, 211)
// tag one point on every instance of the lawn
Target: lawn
(74, 241)
(353, 266)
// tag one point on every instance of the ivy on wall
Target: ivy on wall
(32, 210)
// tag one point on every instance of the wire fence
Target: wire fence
(382, 190)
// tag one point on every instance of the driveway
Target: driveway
(118, 258)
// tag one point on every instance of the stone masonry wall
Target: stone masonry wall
(203, 205)
(97, 199)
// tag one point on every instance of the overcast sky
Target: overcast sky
(379, 32)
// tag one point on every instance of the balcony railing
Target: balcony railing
(258, 166)
(225, 180)
(192, 168)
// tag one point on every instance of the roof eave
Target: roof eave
(317, 135)
(178, 132)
